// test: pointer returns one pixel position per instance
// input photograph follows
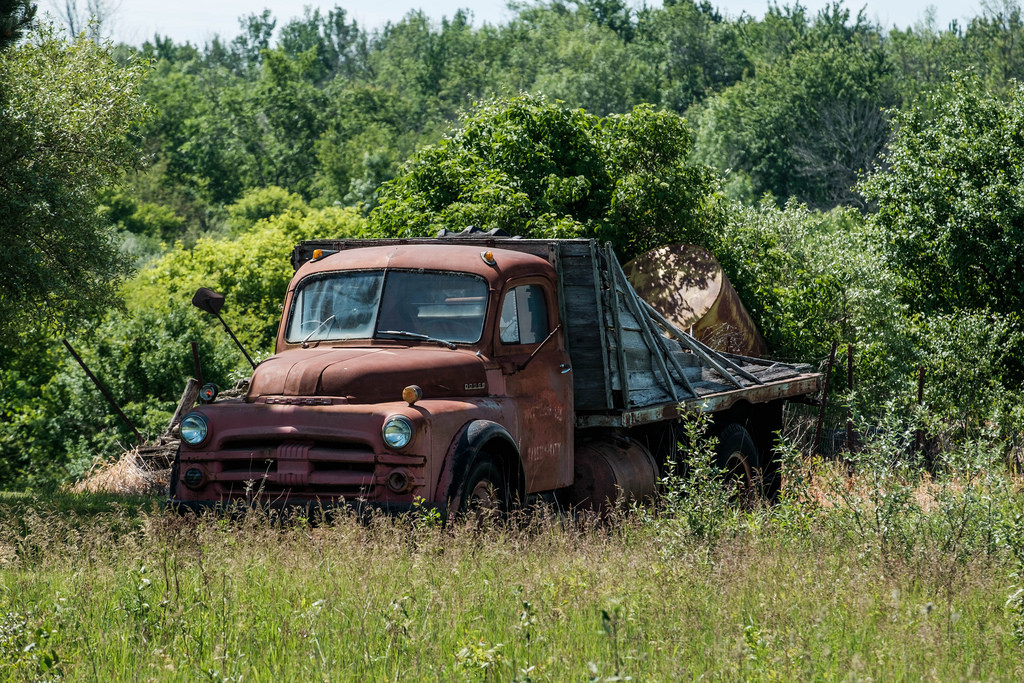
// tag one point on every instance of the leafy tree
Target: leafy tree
(341, 48)
(577, 57)
(589, 65)
(252, 269)
(246, 50)
(995, 39)
(694, 50)
(15, 17)
(538, 169)
(808, 125)
(66, 117)
(55, 423)
(950, 207)
(257, 205)
(615, 15)
(923, 56)
(146, 219)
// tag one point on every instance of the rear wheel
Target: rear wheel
(486, 489)
(737, 455)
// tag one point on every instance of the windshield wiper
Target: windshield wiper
(305, 342)
(416, 335)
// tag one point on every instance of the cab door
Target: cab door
(529, 347)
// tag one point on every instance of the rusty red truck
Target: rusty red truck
(473, 370)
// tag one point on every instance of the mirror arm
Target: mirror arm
(235, 339)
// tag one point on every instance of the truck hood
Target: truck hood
(369, 375)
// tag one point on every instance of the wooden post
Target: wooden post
(816, 444)
(188, 399)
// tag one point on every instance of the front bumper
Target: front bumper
(305, 509)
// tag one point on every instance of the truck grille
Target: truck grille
(293, 469)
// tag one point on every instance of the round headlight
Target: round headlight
(397, 431)
(194, 429)
(193, 478)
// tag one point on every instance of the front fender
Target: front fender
(466, 447)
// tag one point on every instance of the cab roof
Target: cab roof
(442, 257)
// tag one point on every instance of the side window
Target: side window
(524, 315)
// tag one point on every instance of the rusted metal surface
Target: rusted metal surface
(686, 284)
(270, 452)
(608, 472)
(370, 374)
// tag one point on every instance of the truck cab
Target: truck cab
(401, 374)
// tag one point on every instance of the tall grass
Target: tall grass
(887, 575)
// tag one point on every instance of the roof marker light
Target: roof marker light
(488, 258)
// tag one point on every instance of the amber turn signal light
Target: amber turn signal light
(411, 394)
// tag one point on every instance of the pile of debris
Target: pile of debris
(141, 471)
(145, 470)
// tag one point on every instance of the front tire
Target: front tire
(486, 490)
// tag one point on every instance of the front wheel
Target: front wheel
(485, 490)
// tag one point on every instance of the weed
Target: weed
(694, 503)
(800, 591)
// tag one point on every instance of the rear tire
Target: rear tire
(737, 455)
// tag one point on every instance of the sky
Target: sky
(197, 21)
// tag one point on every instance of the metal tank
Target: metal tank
(686, 284)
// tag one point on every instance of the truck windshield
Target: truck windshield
(373, 303)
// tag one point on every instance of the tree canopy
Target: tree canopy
(951, 200)
(15, 17)
(539, 169)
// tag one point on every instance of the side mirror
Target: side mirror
(206, 299)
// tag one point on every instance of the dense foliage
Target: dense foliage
(67, 113)
(853, 190)
(537, 169)
(950, 204)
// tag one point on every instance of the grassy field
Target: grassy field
(885, 575)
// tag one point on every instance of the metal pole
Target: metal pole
(103, 390)
(195, 362)
(849, 387)
(824, 397)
